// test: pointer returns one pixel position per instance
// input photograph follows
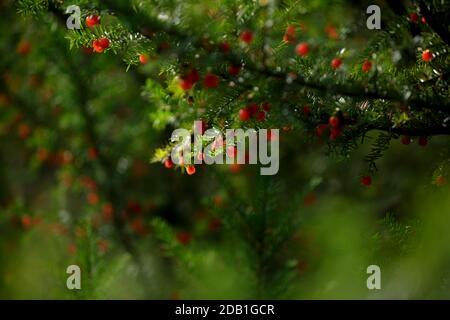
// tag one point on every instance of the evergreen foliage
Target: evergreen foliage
(85, 131)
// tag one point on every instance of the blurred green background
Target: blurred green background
(140, 231)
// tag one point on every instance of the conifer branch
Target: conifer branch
(440, 28)
(354, 90)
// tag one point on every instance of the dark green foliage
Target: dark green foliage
(83, 135)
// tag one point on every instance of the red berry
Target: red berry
(332, 32)
(289, 35)
(287, 38)
(214, 224)
(225, 47)
(366, 66)
(168, 163)
(427, 56)
(211, 81)
(320, 129)
(246, 36)
(218, 200)
(139, 226)
(309, 199)
(302, 49)
(87, 50)
(108, 211)
(143, 58)
(290, 30)
(184, 237)
(24, 131)
(336, 63)
(100, 45)
(23, 48)
(423, 141)
(72, 249)
(235, 168)
(92, 198)
(97, 47)
(413, 17)
(261, 116)
(190, 170)
(266, 106)
(193, 76)
(406, 140)
(88, 183)
(63, 157)
(92, 153)
(163, 46)
(334, 133)
(92, 20)
(244, 114)
(252, 108)
(306, 110)
(234, 70)
(424, 20)
(103, 245)
(134, 207)
(185, 84)
(440, 181)
(42, 154)
(334, 121)
(189, 79)
(26, 221)
(104, 42)
(366, 181)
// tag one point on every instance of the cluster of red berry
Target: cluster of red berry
(414, 18)
(101, 44)
(302, 49)
(189, 79)
(422, 141)
(427, 55)
(210, 80)
(334, 124)
(255, 111)
(190, 169)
